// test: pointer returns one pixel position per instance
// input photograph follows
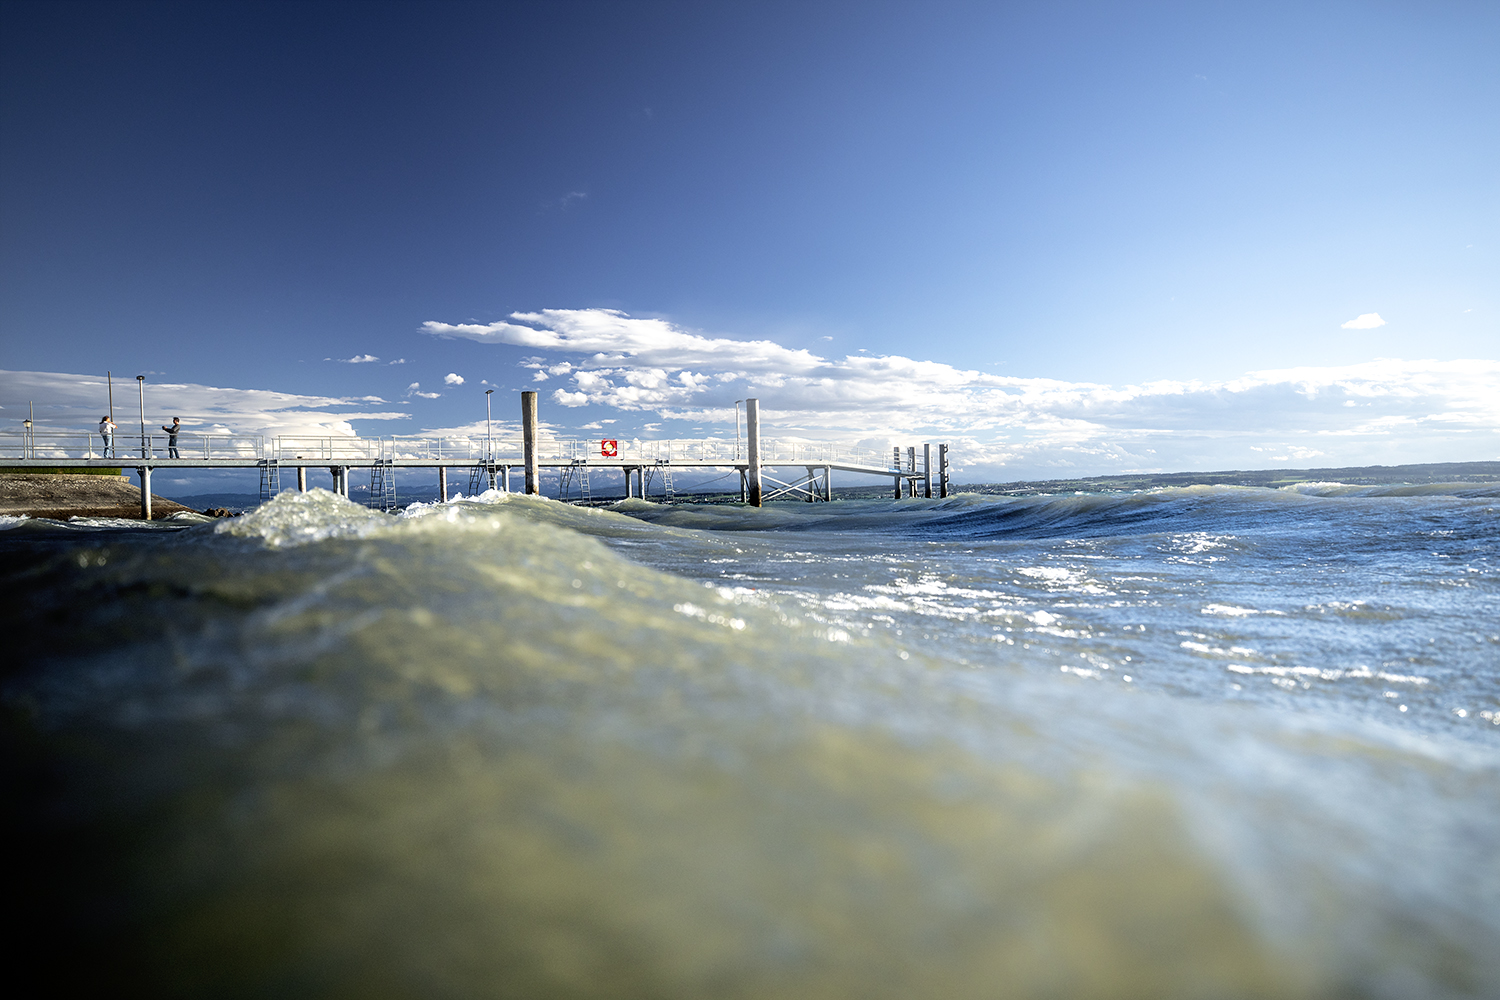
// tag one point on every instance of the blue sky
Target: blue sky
(1062, 195)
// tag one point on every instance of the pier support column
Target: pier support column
(828, 483)
(504, 479)
(528, 442)
(442, 484)
(489, 470)
(812, 484)
(301, 477)
(942, 470)
(145, 473)
(752, 435)
(927, 471)
(744, 487)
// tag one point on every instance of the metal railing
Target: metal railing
(460, 450)
(40, 444)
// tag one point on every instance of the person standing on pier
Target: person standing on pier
(107, 432)
(172, 437)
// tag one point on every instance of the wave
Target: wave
(474, 750)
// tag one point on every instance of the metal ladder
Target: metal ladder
(478, 480)
(270, 478)
(668, 492)
(383, 485)
(579, 471)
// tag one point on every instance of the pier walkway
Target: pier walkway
(647, 467)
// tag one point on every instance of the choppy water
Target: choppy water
(1206, 742)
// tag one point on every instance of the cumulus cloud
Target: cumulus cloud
(453, 378)
(611, 337)
(1365, 321)
(1402, 411)
(415, 389)
(69, 401)
(358, 359)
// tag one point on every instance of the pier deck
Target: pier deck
(490, 461)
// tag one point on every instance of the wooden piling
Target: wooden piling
(145, 473)
(752, 435)
(927, 471)
(442, 484)
(942, 470)
(301, 477)
(528, 442)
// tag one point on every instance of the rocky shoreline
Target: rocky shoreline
(61, 496)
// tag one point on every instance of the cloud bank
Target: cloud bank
(75, 402)
(1385, 411)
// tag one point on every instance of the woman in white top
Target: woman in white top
(107, 432)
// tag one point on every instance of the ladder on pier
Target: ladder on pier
(579, 471)
(270, 478)
(383, 485)
(478, 480)
(649, 472)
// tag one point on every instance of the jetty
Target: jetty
(767, 469)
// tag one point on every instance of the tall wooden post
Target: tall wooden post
(896, 464)
(752, 453)
(942, 470)
(442, 484)
(927, 471)
(528, 442)
(145, 473)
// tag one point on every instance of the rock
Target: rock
(64, 496)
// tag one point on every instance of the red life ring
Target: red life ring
(609, 449)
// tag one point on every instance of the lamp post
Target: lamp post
(489, 451)
(140, 381)
(28, 442)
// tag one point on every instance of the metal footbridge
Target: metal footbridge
(647, 467)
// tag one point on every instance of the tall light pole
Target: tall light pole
(489, 451)
(737, 403)
(140, 381)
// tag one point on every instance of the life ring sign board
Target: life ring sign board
(609, 449)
